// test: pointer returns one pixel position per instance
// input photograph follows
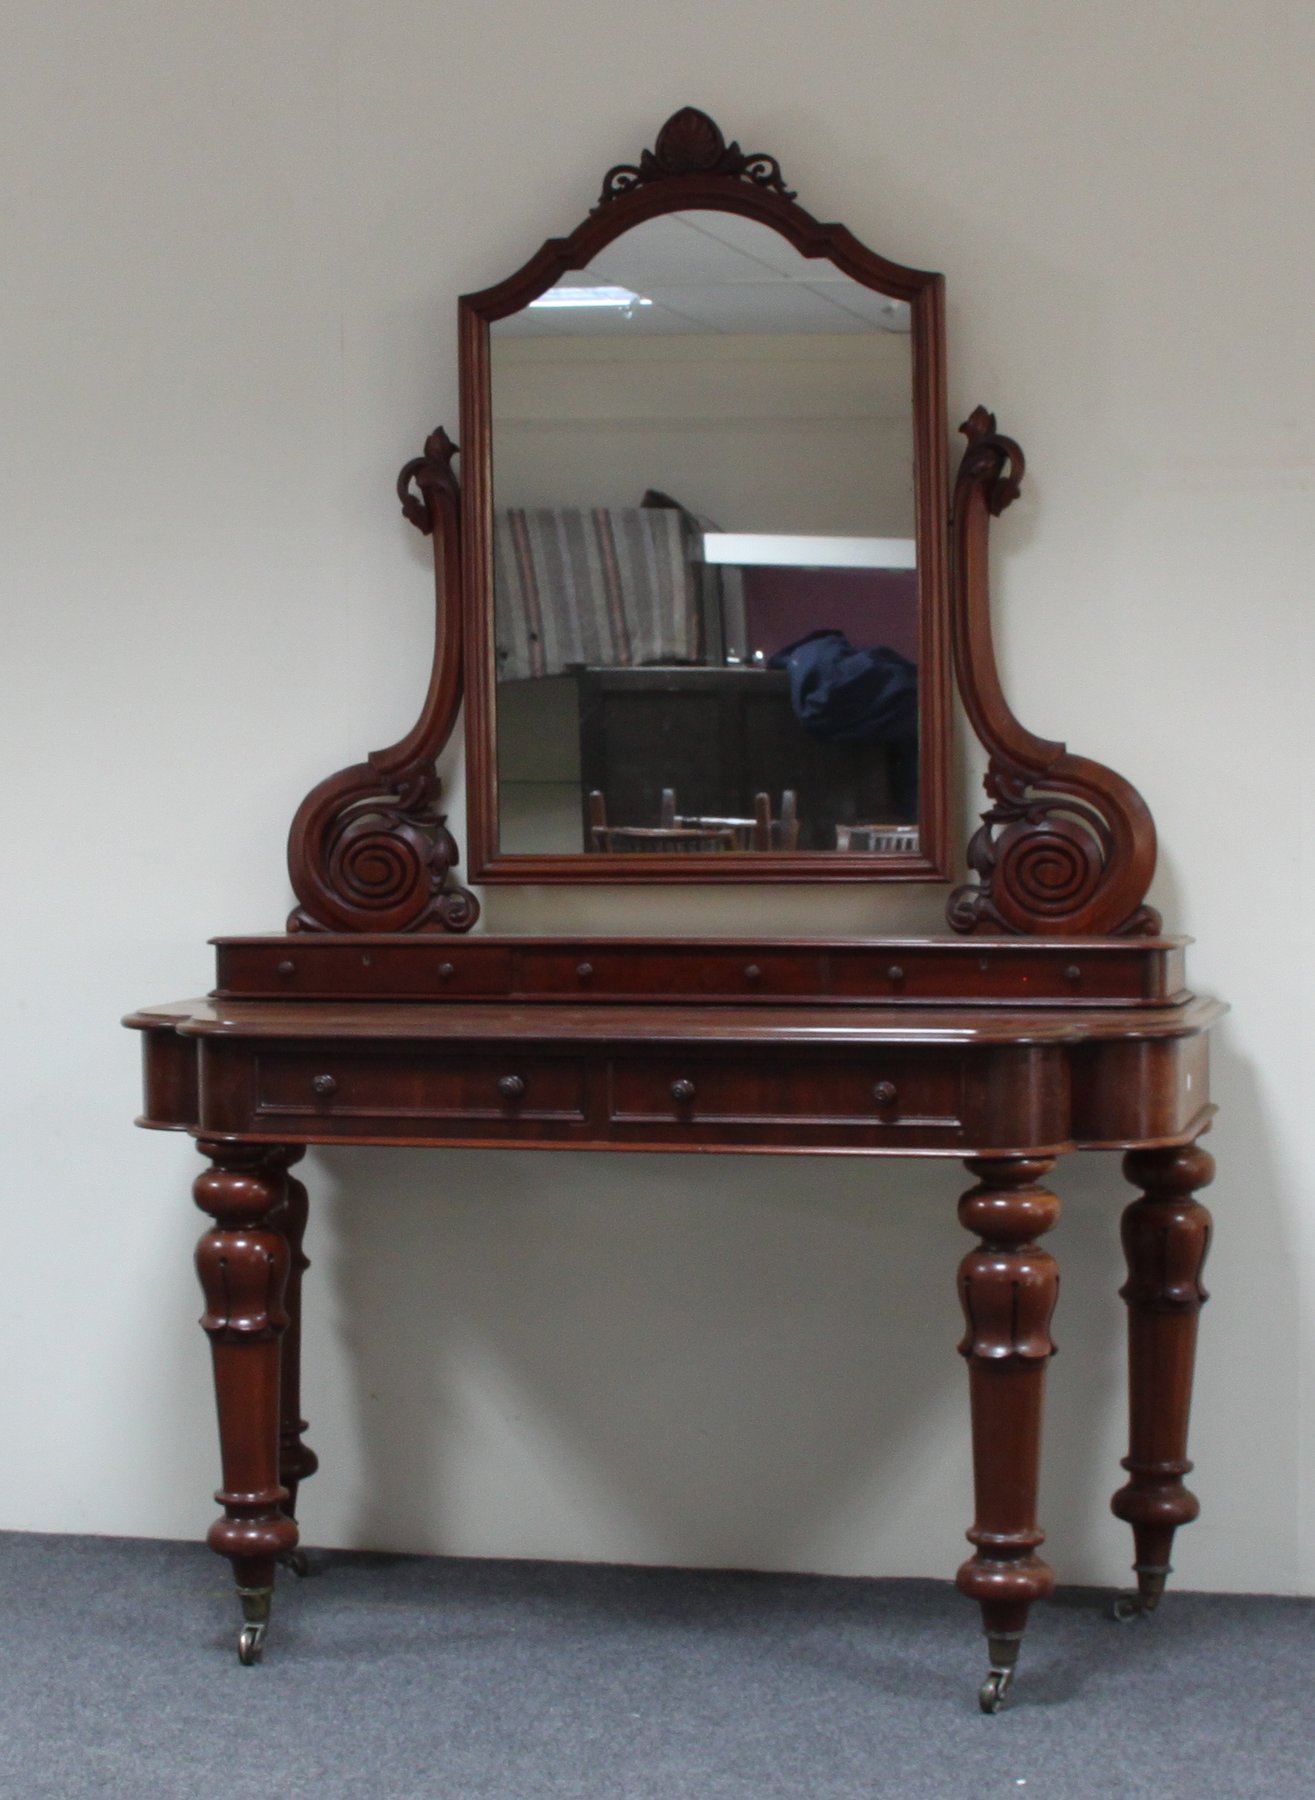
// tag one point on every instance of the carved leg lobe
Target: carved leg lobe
(243, 1265)
(1008, 1287)
(1166, 1234)
(297, 1461)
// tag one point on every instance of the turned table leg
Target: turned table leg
(243, 1265)
(1008, 1287)
(1166, 1234)
(297, 1461)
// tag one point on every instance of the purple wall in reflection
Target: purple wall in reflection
(873, 607)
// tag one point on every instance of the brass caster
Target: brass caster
(991, 1694)
(296, 1562)
(255, 1623)
(1150, 1587)
(1003, 1651)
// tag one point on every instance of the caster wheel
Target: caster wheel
(251, 1645)
(1128, 1607)
(991, 1694)
(296, 1562)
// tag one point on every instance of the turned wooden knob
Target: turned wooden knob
(885, 1093)
(753, 973)
(286, 967)
(446, 971)
(584, 970)
(895, 975)
(511, 1087)
(325, 1084)
(682, 1090)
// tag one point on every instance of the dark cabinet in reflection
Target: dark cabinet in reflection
(717, 737)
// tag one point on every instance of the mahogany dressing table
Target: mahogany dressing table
(1054, 1018)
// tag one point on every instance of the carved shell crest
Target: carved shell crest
(690, 143)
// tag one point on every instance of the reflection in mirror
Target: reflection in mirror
(706, 593)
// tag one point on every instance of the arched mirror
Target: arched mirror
(704, 538)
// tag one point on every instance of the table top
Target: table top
(645, 1023)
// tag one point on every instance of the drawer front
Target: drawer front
(1026, 976)
(620, 974)
(495, 1095)
(858, 1101)
(309, 969)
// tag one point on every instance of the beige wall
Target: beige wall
(235, 241)
(756, 432)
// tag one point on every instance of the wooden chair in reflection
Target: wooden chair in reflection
(761, 832)
(682, 833)
(653, 840)
(870, 838)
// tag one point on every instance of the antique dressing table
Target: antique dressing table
(1055, 1016)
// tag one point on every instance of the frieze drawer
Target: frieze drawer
(879, 1096)
(511, 1093)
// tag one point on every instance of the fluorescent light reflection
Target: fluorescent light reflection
(618, 299)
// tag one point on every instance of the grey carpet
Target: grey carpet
(417, 1678)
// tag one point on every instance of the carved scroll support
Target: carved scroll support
(369, 849)
(1166, 1236)
(1068, 847)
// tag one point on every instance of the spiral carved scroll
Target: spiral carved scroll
(1068, 847)
(384, 863)
(369, 848)
(690, 143)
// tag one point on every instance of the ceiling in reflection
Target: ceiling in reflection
(711, 272)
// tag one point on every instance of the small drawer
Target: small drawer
(517, 1090)
(1028, 976)
(890, 1092)
(306, 969)
(620, 974)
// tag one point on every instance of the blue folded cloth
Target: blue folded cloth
(849, 696)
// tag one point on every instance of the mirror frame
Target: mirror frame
(692, 168)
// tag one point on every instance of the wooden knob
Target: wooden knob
(584, 970)
(895, 975)
(511, 1087)
(325, 1084)
(446, 971)
(682, 1090)
(885, 1093)
(1073, 975)
(286, 967)
(753, 973)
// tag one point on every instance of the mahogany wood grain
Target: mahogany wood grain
(169, 1072)
(1008, 1286)
(1166, 1237)
(369, 849)
(380, 1022)
(1068, 846)
(894, 971)
(297, 1461)
(243, 1266)
(1007, 1086)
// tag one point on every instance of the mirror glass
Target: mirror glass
(705, 581)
